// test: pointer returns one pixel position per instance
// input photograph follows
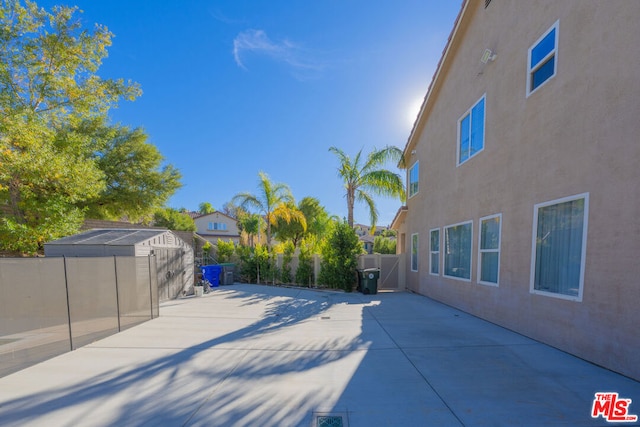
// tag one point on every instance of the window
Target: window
(217, 226)
(559, 247)
(413, 179)
(457, 250)
(414, 252)
(542, 63)
(489, 250)
(434, 249)
(471, 132)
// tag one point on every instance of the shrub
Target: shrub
(340, 258)
(384, 245)
(225, 250)
(287, 256)
(304, 273)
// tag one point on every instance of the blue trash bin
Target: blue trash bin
(212, 274)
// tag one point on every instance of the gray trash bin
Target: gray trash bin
(227, 273)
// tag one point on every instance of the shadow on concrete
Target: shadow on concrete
(145, 387)
(392, 359)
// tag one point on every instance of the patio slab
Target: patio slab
(247, 355)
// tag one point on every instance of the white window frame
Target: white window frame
(417, 248)
(585, 227)
(444, 257)
(484, 127)
(554, 52)
(417, 181)
(217, 226)
(432, 252)
(481, 251)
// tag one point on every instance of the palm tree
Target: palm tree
(271, 202)
(250, 224)
(364, 178)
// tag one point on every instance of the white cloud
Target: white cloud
(257, 42)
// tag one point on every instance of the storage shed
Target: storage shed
(174, 257)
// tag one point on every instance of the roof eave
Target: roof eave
(435, 80)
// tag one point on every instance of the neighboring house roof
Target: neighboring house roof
(435, 81)
(199, 216)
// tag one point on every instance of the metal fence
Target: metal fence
(49, 306)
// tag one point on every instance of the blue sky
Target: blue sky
(234, 87)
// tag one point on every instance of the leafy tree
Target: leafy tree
(304, 272)
(287, 257)
(255, 263)
(384, 245)
(136, 184)
(173, 219)
(271, 202)
(316, 219)
(206, 208)
(232, 210)
(364, 178)
(225, 250)
(340, 257)
(53, 110)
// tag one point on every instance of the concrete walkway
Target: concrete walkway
(248, 355)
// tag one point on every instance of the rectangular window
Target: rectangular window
(217, 226)
(413, 179)
(434, 249)
(542, 63)
(471, 132)
(559, 247)
(457, 250)
(414, 252)
(489, 250)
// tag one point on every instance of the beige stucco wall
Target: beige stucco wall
(579, 133)
(231, 233)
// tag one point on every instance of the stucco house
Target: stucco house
(216, 226)
(523, 175)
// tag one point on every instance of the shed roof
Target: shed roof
(109, 237)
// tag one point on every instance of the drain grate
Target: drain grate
(329, 421)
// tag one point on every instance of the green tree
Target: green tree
(384, 245)
(287, 257)
(49, 96)
(304, 272)
(364, 178)
(271, 202)
(316, 218)
(206, 208)
(173, 219)
(225, 250)
(136, 183)
(250, 224)
(340, 257)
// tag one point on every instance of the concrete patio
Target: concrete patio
(249, 355)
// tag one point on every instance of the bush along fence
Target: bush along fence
(49, 306)
(305, 269)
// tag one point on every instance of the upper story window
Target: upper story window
(542, 61)
(471, 132)
(413, 179)
(217, 226)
